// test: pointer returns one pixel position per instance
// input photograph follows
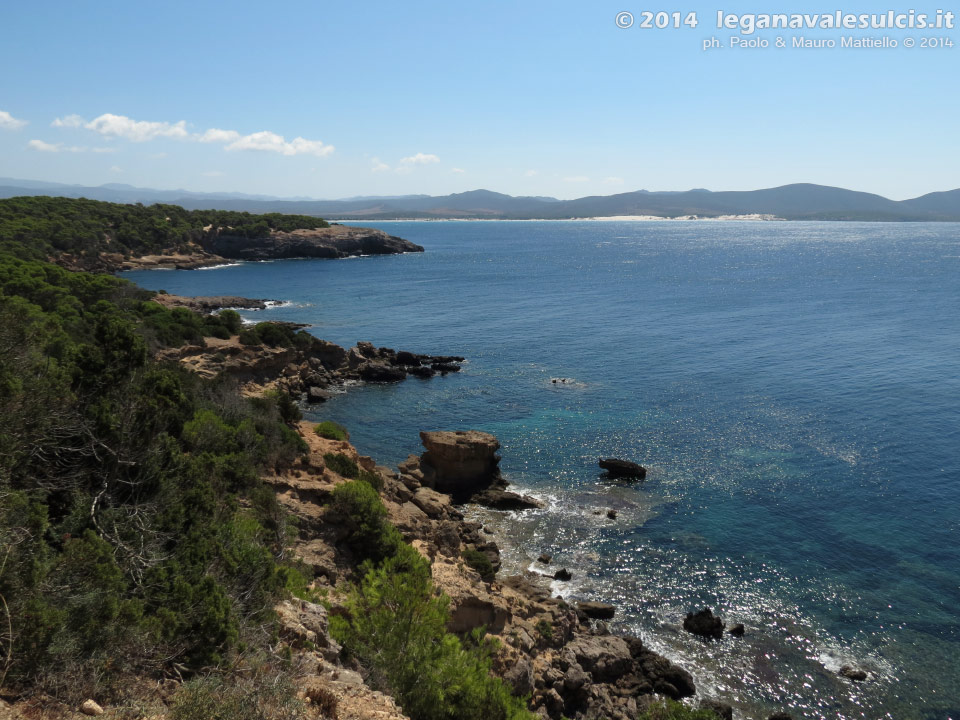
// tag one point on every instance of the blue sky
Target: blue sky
(526, 97)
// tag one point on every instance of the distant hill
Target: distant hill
(790, 202)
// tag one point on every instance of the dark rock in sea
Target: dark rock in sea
(421, 371)
(704, 623)
(623, 468)
(853, 673)
(336, 241)
(381, 372)
(505, 500)
(562, 381)
(367, 349)
(444, 367)
(406, 358)
(545, 558)
(737, 630)
(563, 574)
(780, 716)
(316, 395)
(597, 610)
(722, 710)
(612, 514)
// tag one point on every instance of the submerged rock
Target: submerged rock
(623, 468)
(545, 558)
(853, 673)
(704, 623)
(563, 574)
(737, 630)
(505, 500)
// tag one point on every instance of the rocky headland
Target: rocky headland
(218, 246)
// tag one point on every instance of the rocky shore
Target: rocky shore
(560, 656)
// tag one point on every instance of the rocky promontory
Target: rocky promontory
(336, 241)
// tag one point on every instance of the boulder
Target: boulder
(606, 658)
(704, 623)
(434, 504)
(464, 460)
(737, 630)
(520, 678)
(545, 558)
(575, 678)
(505, 500)
(316, 395)
(623, 468)
(612, 514)
(597, 610)
(563, 574)
(780, 716)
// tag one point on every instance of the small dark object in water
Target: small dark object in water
(623, 468)
(853, 673)
(737, 630)
(612, 514)
(562, 574)
(545, 558)
(704, 623)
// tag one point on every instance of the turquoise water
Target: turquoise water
(793, 389)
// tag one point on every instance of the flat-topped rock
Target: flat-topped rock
(462, 460)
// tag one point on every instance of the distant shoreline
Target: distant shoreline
(606, 218)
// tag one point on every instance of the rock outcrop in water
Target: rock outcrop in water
(623, 468)
(705, 624)
(465, 465)
(336, 241)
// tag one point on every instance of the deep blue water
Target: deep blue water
(793, 389)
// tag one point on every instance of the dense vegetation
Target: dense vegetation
(135, 534)
(395, 624)
(85, 228)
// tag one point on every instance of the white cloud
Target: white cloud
(419, 159)
(136, 130)
(267, 141)
(378, 166)
(116, 169)
(68, 121)
(530, 173)
(43, 146)
(9, 122)
(121, 126)
(458, 171)
(219, 136)
(577, 179)
(613, 181)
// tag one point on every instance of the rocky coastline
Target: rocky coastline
(561, 656)
(220, 247)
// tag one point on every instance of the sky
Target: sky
(329, 99)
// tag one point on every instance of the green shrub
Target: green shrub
(372, 479)
(231, 320)
(396, 627)
(481, 563)
(249, 336)
(545, 629)
(670, 710)
(359, 506)
(342, 465)
(274, 335)
(331, 431)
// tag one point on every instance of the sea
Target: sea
(792, 388)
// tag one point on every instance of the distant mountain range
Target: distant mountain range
(790, 202)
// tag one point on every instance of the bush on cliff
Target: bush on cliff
(135, 531)
(331, 430)
(341, 465)
(481, 563)
(371, 536)
(396, 627)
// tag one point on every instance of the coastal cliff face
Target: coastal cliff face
(550, 651)
(337, 241)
